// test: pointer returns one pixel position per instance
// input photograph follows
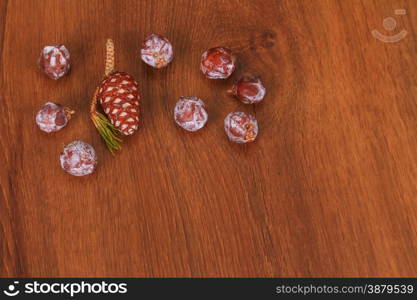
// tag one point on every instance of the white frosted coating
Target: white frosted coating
(157, 51)
(250, 91)
(55, 61)
(78, 158)
(241, 127)
(190, 113)
(51, 117)
(219, 65)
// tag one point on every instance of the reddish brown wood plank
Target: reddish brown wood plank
(328, 189)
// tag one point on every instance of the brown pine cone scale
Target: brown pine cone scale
(119, 97)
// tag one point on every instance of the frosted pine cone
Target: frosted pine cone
(190, 113)
(157, 51)
(78, 158)
(241, 127)
(54, 61)
(218, 63)
(53, 117)
(249, 90)
(119, 97)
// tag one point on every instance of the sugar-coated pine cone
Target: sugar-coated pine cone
(53, 117)
(78, 158)
(249, 90)
(218, 63)
(119, 97)
(54, 61)
(241, 127)
(190, 113)
(157, 51)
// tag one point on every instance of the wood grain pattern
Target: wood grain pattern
(328, 189)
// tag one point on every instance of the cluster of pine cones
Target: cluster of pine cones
(119, 97)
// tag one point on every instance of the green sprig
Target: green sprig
(107, 131)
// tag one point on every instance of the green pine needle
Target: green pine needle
(107, 131)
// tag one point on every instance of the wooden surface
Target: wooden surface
(328, 189)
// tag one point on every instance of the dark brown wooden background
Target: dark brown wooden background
(328, 189)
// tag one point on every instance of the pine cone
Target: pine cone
(119, 97)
